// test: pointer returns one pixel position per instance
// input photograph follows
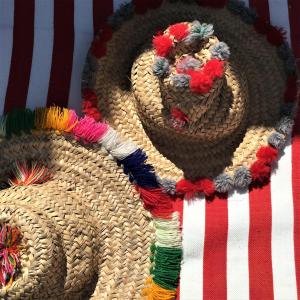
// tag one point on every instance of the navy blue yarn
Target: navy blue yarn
(138, 171)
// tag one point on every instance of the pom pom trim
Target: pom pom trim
(201, 79)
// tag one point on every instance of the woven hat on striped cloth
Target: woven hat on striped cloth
(206, 88)
(194, 97)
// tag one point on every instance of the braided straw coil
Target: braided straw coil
(242, 110)
(101, 252)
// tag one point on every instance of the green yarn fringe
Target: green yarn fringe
(166, 266)
(19, 121)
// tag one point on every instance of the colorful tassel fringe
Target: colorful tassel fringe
(155, 292)
(29, 173)
(59, 119)
(9, 254)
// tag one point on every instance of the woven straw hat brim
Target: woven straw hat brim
(255, 79)
(85, 228)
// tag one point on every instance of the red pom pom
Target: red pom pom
(212, 3)
(98, 48)
(276, 36)
(200, 82)
(179, 31)
(267, 154)
(92, 112)
(214, 68)
(260, 171)
(89, 94)
(177, 114)
(163, 44)
(88, 104)
(261, 26)
(207, 187)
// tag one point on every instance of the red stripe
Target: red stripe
(262, 8)
(294, 13)
(215, 250)
(62, 55)
(260, 260)
(20, 66)
(101, 10)
(296, 196)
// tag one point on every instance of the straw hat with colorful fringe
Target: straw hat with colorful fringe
(179, 99)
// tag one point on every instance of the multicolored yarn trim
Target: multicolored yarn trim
(9, 254)
(27, 173)
(259, 172)
(157, 195)
(190, 71)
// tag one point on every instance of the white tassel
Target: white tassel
(114, 144)
(110, 140)
(167, 232)
(124, 149)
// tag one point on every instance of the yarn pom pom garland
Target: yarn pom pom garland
(199, 77)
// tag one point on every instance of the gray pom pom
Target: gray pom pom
(277, 140)
(199, 32)
(223, 183)
(285, 125)
(160, 67)
(125, 12)
(242, 178)
(180, 80)
(220, 50)
(236, 6)
(187, 63)
(248, 15)
(168, 185)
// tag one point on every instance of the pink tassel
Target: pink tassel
(89, 131)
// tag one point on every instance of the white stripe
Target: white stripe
(42, 54)
(6, 44)
(279, 15)
(117, 3)
(83, 29)
(191, 277)
(237, 247)
(283, 262)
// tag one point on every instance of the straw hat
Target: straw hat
(84, 232)
(223, 128)
(77, 239)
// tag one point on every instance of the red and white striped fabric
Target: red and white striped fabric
(247, 247)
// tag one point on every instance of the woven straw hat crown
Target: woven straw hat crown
(228, 124)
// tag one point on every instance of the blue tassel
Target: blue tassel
(138, 171)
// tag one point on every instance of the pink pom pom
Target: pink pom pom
(89, 131)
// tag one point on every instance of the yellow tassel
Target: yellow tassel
(154, 292)
(53, 118)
